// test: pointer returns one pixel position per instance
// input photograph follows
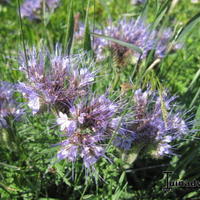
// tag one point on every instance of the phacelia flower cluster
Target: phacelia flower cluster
(138, 33)
(155, 124)
(33, 9)
(135, 32)
(9, 108)
(86, 126)
(54, 80)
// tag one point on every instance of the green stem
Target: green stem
(116, 78)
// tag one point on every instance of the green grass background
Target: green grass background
(27, 168)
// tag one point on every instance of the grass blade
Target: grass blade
(125, 44)
(195, 98)
(87, 46)
(196, 77)
(197, 118)
(188, 27)
(70, 32)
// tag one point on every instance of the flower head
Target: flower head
(8, 106)
(79, 145)
(136, 32)
(54, 79)
(95, 115)
(33, 8)
(86, 126)
(156, 122)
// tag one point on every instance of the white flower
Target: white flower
(86, 77)
(164, 149)
(65, 123)
(167, 139)
(34, 103)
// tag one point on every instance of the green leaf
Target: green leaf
(163, 107)
(88, 196)
(195, 98)
(118, 192)
(197, 118)
(145, 9)
(158, 18)
(125, 44)
(87, 38)
(130, 156)
(59, 170)
(47, 199)
(121, 179)
(188, 27)
(161, 13)
(164, 5)
(196, 77)
(70, 26)
(9, 166)
(191, 195)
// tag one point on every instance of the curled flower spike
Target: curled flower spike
(86, 126)
(8, 106)
(156, 123)
(54, 79)
(33, 8)
(135, 32)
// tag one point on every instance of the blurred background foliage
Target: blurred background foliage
(28, 169)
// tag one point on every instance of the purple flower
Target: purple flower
(135, 32)
(123, 142)
(81, 145)
(29, 8)
(66, 124)
(33, 8)
(96, 115)
(8, 106)
(138, 33)
(91, 154)
(156, 122)
(68, 151)
(86, 126)
(54, 79)
(162, 149)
